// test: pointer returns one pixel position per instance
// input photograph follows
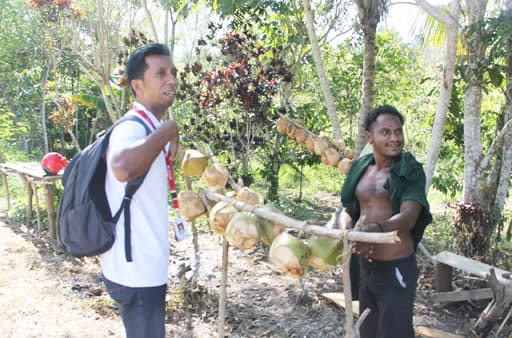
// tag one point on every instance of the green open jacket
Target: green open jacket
(406, 182)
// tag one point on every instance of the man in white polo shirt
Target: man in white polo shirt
(139, 285)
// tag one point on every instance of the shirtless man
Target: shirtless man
(388, 187)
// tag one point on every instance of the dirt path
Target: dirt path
(47, 294)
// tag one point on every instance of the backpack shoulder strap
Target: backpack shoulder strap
(131, 188)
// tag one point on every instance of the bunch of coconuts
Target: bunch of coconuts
(244, 229)
(241, 229)
(331, 153)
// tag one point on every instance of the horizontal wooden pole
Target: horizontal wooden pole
(358, 236)
(458, 296)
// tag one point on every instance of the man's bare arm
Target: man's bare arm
(345, 220)
(136, 158)
(403, 221)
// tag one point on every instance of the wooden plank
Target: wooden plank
(443, 275)
(461, 295)
(434, 333)
(339, 299)
(469, 265)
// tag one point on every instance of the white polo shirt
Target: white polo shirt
(149, 217)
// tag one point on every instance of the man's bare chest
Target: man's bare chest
(371, 186)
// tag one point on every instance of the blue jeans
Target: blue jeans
(142, 309)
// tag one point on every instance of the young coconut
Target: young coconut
(290, 255)
(321, 144)
(324, 252)
(193, 163)
(332, 156)
(291, 129)
(301, 136)
(215, 175)
(282, 125)
(269, 229)
(310, 143)
(243, 231)
(348, 153)
(249, 196)
(191, 205)
(344, 165)
(220, 215)
(339, 144)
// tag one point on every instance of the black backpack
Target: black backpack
(85, 225)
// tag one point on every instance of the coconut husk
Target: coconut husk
(216, 175)
(290, 255)
(348, 153)
(291, 129)
(325, 252)
(282, 125)
(301, 136)
(332, 156)
(310, 143)
(339, 144)
(299, 122)
(344, 165)
(269, 229)
(243, 231)
(249, 196)
(220, 215)
(321, 144)
(193, 162)
(191, 205)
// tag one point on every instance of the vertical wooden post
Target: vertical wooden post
(443, 275)
(4, 179)
(224, 281)
(49, 192)
(28, 186)
(347, 290)
(38, 216)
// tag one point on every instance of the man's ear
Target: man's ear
(369, 136)
(136, 84)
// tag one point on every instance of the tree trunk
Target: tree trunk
(43, 111)
(368, 94)
(451, 36)
(322, 76)
(150, 19)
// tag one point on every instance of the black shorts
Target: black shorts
(388, 288)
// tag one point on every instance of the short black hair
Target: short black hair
(136, 64)
(384, 109)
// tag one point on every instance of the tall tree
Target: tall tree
(450, 22)
(324, 82)
(370, 14)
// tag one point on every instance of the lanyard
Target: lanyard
(170, 174)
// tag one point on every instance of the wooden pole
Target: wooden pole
(224, 282)
(368, 237)
(4, 179)
(347, 289)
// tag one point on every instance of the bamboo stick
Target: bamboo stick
(358, 236)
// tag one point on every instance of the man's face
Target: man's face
(386, 135)
(157, 89)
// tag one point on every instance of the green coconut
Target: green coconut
(269, 229)
(290, 255)
(324, 252)
(193, 162)
(220, 215)
(243, 231)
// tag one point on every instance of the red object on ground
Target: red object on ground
(53, 163)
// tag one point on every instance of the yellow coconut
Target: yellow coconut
(290, 255)
(193, 162)
(216, 175)
(282, 125)
(190, 205)
(321, 144)
(220, 215)
(301, 135)
(310, 143)
(339, 144)
(325, 252)
(348, 153)
(249, 196)
(243, 231)
(344, 165)
(332, 156)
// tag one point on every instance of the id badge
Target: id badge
(180, 228)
